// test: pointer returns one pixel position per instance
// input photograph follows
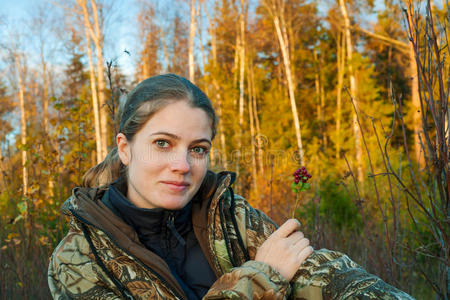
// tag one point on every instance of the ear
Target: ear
(123, 148)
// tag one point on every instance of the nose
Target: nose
(180, 163)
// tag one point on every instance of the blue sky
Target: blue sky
(123, 35)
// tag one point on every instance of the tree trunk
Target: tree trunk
(251, 97)
(223, 144)
(200, 36)
(103, 107)
(317, 86)
(23, 125)
(415, 98)
(98, 139)
(258, 140)
(236, 62)
(192, 29)
(51, 183)
(417, 115)
(353, 89)
(276, 15)
(45, 90)
(241, 53)
(224, 156)
(322, 103)
(340, 67)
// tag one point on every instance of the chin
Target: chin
(175, 204)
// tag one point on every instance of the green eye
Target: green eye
(162, 143)
(199, 150)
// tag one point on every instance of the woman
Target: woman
(155, 223)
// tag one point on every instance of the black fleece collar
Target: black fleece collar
(143, 220)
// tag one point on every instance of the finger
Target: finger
(305, 253)
(301, 244)
(295, 237)
(287, 228)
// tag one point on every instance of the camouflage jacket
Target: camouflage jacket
(101, 258)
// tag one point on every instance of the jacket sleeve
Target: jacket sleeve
(252, 280)
(73, 274)
(324, 275)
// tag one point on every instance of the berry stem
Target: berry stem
(296, 203)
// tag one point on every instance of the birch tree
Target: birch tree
(96, 35)
(340, 68)
(217, 92)
(93, 81)
(353, 87)
(415, 98)
(193, 6)
(276, 11)
(19, 65)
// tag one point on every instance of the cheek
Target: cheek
(145, 163)
(200, 167)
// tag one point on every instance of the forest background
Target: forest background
(356, 91)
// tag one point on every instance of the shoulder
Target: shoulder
(74, 241)
(71, 265)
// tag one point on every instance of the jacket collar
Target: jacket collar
(85, 205)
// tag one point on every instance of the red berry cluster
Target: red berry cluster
(301, 175)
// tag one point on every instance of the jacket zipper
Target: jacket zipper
(137, 259)
(170, 222)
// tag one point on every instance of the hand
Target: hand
(285, 249)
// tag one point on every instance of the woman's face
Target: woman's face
(168, 157)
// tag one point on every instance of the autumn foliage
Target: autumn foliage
(356, 94)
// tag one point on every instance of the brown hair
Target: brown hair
(147, 98)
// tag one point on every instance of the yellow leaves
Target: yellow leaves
(44, 240)
(11, 240)
(34, 188)
(12, 235)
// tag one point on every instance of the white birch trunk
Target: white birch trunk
(256, 118)
(290, 83)
(417, 115)
(353, 89)
(340, 67)
(251, 97)
(223, 146)
(192, 30)
(98, 139)
(241, 55)
(23, 124)
(103, 108)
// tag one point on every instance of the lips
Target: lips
(178, 186)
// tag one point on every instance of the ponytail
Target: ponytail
(105, 172)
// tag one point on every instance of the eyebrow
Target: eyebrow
(176, 137)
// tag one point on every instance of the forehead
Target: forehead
(181, 119)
